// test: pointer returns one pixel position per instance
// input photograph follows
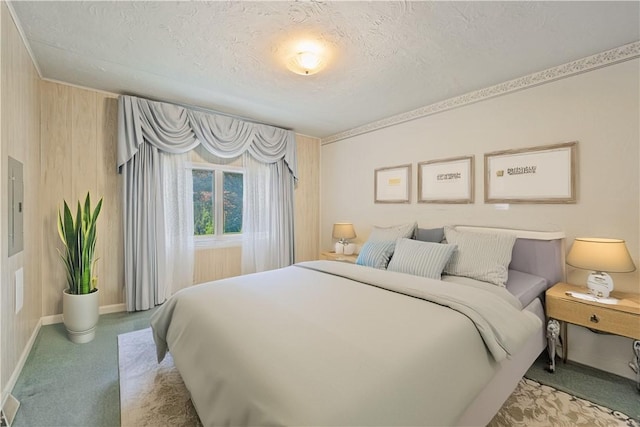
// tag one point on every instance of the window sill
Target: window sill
(202, 243)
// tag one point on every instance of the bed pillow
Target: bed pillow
(394, 232)
(376, 254)
(430, 234)
(425, 259)
(480, 256)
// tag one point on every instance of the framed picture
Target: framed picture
(446, 180)
(544, 174)
(392, 184)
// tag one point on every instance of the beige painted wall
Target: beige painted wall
(599, 109)
(20, 139)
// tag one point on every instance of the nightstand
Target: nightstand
(332, 256)
(621, 319)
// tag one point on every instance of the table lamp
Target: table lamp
(343, 231)
(602, 256)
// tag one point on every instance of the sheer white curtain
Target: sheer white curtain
(176, 270)
(256, 217)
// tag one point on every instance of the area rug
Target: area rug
(153, 394)
(534, 404)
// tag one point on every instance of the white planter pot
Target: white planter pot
(80, 315)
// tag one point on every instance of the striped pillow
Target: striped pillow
(394, 232)
(480, 256)
(425, 259)
(376, 254)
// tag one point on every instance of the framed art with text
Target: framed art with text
(446, 180)
(544, 174)
(392, 184)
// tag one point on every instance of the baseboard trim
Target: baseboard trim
(104, 309)
(51, 320)
(23, 359)
(113, 308)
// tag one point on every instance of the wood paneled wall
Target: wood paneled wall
(79, 142)
(20, 139)
(307, 199)
(214, 264)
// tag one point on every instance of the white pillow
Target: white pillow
(425, 259)
(394, 232)
(480, 256)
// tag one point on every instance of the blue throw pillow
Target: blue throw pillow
(376, 254)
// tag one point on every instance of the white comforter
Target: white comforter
(313, 344)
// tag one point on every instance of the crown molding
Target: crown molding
(603, 59)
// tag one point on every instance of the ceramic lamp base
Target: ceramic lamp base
(349, 249)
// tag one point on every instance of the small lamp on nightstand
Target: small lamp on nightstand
(601, 255)
(343, 231)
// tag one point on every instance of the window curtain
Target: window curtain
(267, 226)
(158, 249)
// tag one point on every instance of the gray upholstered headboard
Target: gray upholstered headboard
(544, 258)
(540, 253)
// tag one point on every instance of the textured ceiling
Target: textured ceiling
(384, 58)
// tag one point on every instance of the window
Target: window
(217, 203)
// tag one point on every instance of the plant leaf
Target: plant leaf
(79, 240)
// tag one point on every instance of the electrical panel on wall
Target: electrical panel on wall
(16, 205)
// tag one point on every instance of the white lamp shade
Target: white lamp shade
(606, 255)
(343, 230)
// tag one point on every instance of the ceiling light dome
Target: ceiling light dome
(305, 63)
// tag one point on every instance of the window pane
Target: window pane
(233, 188)
(203, 198)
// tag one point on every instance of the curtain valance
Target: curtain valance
(175, 129)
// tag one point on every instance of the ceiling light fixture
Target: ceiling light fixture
(305, 63)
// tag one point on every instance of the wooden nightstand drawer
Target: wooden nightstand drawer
(596, 317)
(562, 307)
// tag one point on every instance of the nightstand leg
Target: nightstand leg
(553, 333)
(636, 361)
(563, 341)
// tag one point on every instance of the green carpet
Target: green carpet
(597, 386)
(66, 384)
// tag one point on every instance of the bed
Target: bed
(328, 343)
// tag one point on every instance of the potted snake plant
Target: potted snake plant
(80, 301)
